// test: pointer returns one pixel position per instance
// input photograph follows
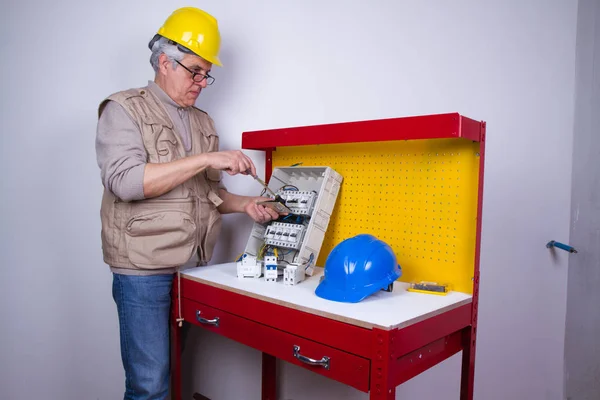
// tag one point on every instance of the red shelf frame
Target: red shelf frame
(438, 126)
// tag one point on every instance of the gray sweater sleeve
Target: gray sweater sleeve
(120, 153)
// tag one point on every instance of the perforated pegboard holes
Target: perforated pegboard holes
(418, 196)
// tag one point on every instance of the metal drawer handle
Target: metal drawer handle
(214, 322)
(323, 361)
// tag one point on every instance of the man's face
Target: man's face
(179, 84)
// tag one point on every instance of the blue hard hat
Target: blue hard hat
(358, 267)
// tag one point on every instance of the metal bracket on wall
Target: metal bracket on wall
(561, 246)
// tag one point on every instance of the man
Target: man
(163, 199)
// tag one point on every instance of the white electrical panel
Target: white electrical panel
(293, 242)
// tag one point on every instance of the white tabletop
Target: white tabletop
(384, 310)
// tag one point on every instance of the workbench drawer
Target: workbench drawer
(335, 364)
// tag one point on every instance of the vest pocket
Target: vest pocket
(213, 230)
(160, 239)
(160, 140)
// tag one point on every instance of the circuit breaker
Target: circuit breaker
(271, 270)
(286, 235)
(293, 241)
(300, 203)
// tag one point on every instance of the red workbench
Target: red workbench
(390, 337)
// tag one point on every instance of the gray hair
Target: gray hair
(171, 50)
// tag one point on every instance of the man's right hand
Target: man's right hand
(231, 161)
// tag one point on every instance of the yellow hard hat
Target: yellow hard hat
(194, 29)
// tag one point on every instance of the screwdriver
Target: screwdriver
(261, 182)
(276, 198)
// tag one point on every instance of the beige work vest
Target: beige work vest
(163, 233)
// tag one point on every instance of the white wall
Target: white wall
(510, 63)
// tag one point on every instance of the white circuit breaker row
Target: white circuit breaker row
(286, 235)
(299, 202)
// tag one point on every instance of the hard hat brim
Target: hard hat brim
(329, 292)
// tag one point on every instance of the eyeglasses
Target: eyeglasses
(197, 76)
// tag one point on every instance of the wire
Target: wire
(289, 187)
(310, 260)
(259, 256)
(180, 319)
(294, 219)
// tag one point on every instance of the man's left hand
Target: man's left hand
(259, 213)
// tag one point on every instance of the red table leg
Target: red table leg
(269, 377)
(390, 395)
(175, 361)
(381, 375)
(468, 364)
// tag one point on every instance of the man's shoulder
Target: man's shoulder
(126, 94)
(122, 96)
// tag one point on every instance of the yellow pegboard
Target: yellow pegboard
(418, 196)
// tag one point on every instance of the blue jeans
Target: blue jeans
(143, 305)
